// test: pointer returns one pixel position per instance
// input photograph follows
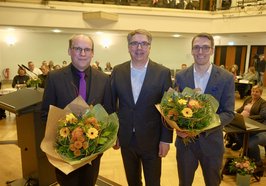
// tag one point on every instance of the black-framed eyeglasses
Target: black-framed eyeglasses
(204, 48)
(136, 44)
(79, 49)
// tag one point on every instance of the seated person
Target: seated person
(251, 75)
(2, 113)
(20, 79)
(253, 107)
(45, 69)
(108, 67)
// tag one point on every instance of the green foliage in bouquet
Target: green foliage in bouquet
(79, 136)
(189, 109)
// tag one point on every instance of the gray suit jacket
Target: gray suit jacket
(60, 89)
(142, 116)
(221, 86)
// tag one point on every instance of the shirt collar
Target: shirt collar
(131, 65)
(208, 72)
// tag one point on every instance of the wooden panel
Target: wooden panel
(230, 56)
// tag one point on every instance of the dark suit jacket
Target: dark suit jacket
(221, 86)
(60, 89)
(257, 111)
(143, 116)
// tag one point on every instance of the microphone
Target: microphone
(29, 71)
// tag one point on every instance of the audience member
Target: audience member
(183, 66)
(35, 71)
(260, 66)
(108, 67)
(51, 65)
(98, 65)
(62, 87)
(251, 75)
(45, 70)
(137, 85)
(233, 70)
(56, 67)
(181, 5)
(253, 107)
(208, 148)
(21, 79)
(64, 63)
(2, 111)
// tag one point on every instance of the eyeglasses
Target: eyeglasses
(136, 44)
(79, 50)
(204, 48)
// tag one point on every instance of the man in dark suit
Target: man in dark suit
(62, 87)
(208, 147)
(137, 85)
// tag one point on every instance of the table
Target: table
(232, 129)
(244, 89)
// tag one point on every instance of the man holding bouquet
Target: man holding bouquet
(207, 148)
(137, 85)
(64, 85)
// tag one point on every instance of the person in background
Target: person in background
(108, 67)
(137, 85)
(251, 75)
(243, 87)
(56, 67)
(62, 87)
(183, 66)
(98, 65)
(260, 66)
(21, 79)
(2, 111)
(51, 65)
(35, 71)
(253, 107)
(207, 149)
(43, 76)
(233, 70)
(64, 63)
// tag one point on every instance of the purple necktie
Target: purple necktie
(82, 85)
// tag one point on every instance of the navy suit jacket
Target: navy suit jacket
(222, 87)
(142, 116)
(60, 89)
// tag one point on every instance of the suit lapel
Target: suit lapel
(69, 84)
(127, 79)
(189, 78)
(211, 85)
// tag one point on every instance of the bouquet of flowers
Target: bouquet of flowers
(189, 111)
(34, 82)
(75, 135)
(242, 165)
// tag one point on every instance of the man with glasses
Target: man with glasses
(63, 86)
(137, 85)
(208, 147)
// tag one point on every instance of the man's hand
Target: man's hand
(181, 134)
(163, 149)
(117, 145)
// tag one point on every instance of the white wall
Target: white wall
(171, 52)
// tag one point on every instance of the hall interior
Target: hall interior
(111, 169)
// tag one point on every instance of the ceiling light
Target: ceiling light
(56, 31)
(176, 35)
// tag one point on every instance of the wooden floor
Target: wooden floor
(111, 164)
